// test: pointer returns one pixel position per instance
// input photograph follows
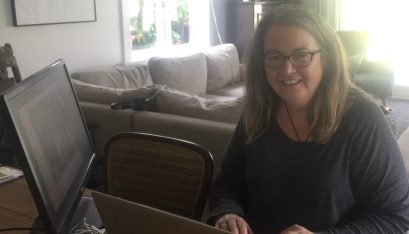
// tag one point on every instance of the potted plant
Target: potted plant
(142, 38)
(180, 28)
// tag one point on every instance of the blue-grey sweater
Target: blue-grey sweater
(354, 183)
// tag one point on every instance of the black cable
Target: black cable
(295, 130)
(20, 229)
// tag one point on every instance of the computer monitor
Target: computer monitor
(53, 145)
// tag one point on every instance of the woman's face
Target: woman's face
(295, 86)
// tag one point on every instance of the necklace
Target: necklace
(292, 124)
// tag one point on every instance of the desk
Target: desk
(17, 208)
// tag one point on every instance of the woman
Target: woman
(312, 152)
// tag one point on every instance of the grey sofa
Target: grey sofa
(197, 98)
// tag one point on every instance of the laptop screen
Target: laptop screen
(126, 217)
(52, 142)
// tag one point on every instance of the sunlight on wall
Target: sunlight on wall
(386, 23)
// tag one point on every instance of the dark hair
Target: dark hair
(332, 95)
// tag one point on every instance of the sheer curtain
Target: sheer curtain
(330, 10)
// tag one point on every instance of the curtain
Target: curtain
(330, 10)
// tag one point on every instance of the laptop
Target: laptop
(122, 216)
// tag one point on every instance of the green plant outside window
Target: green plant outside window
(145, 37)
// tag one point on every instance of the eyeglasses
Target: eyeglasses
(299, 59)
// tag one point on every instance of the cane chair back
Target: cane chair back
(166, 173)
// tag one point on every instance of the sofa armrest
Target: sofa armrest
(212, 135)
(109, 123)
(242, 71)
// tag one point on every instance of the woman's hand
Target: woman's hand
(234, 224)
(296, 229)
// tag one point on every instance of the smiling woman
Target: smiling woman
(305, 127)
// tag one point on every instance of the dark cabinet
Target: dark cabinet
(242, 19)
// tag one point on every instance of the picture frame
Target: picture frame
(42, 12)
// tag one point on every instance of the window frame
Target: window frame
(199, 34)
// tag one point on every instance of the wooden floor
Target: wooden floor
(17, 208)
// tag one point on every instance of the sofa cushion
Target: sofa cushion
(172, 101)
(233, 90)
(187, 74)
(223, 66)
(122, 77)
(106, 95)
(218, 97)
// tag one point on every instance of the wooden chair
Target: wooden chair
(7, 61)
(166, 173)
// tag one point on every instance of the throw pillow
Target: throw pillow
(172, 101)
(223, 66)
(187, 74)
(106, 95)
(122, 77)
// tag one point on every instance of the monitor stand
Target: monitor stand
(86, 209)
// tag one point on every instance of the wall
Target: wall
(82, 45)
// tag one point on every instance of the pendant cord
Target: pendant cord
(292, 124)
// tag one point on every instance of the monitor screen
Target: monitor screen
(52, 142)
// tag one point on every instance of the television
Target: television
(53, 146)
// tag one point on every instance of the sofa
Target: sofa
(196, 97)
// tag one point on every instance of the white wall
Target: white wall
(82, 45)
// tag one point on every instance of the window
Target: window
(163, 26)
(158, 22)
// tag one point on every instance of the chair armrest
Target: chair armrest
(377, 67)
(375, 77)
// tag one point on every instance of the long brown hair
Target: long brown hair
(333, 94)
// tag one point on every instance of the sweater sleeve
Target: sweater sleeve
(378, 180)
(228, 193)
